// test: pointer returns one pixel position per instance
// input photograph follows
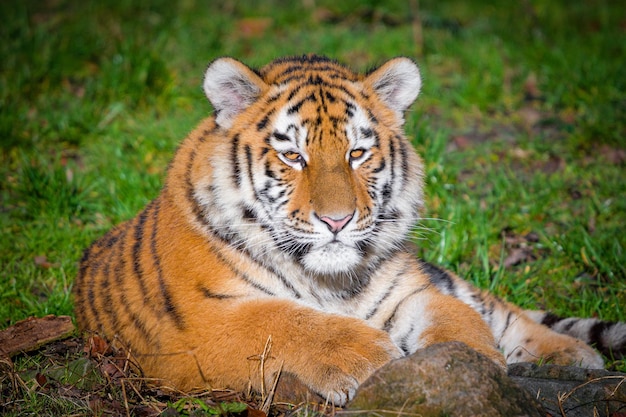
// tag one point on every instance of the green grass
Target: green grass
(521, 121)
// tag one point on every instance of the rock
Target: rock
(290, 390)
(451, 379)
(443, 379)
(571, 391)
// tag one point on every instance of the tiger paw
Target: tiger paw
(344, 360)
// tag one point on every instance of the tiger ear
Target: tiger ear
(397, 83)
(231, 87)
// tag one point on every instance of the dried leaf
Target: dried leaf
(614, 156)
(253, 27)
(554, 164)
(97, 346)
(41, 380)
(42, 261)
(252, 412)
(529, 116)
(517, 256)
(112, 370)
(461, 142)
(531, 89)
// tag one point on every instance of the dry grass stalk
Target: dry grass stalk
(562, 398)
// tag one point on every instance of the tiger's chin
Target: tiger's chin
(332, 259)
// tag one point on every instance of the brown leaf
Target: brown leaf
(520, 153)
(253, 412)
(517, 256)
(531, 90)
(614, 156)
(95, 405)
(97, 346)
(253, 27)
(591, 224)
(41, 380)
(42, 261)
(554, 164)
(112, 370)
(461, 142)
(529, 116)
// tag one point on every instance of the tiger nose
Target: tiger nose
(336, 225)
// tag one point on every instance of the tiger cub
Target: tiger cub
(284, 218)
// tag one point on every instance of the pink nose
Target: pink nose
(336, 225)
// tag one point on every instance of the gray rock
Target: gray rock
(571, 391)
(444, 379)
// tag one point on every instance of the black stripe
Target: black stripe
(249, 215)
(210, 294)
(507, 323)
(243, 276)
(299, 71)
(595, 334)
(234, 158)
(91, 298)
(264, 121)
(388, 323)
(281, 137)
(381, 300)
(120, 278)
(366, 133)
(170, 307)
(550, 319)
(379, 168)
(293, 92)
(249, 166)
(350, 109)
(296, 107)
(91, 268)
(137, 249)
(404, 154)
(488, 313)
(105, 296)
(439, 278)
(305, 83)
(387, 192)
(404, 341)
(371, 116)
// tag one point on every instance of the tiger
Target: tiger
(285, 221)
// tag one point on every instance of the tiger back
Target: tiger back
(283, 219)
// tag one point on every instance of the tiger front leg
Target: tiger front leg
(428, 317)
(452, 320)
(330, 354)
(519, 337)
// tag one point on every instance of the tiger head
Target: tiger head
(314, 165)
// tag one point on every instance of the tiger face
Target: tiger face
(326, 178)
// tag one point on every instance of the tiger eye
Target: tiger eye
(292, 156)
(357, 153)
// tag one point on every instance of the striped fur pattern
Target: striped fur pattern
(283, 219)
